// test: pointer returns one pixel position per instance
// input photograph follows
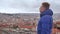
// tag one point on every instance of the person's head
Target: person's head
(45, 6)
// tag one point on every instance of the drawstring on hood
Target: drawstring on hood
(47, 12)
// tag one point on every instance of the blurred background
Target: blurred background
(22, 16)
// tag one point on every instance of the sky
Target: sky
(27, 6)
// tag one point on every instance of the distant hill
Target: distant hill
(11, 18)
(15, 18)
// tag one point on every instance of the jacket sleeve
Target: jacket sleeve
(46, 24)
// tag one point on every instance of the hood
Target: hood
(47, 12)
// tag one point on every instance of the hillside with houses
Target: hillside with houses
(23, 21)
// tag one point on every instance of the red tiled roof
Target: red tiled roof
(27, 27)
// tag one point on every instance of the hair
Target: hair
(46, 5)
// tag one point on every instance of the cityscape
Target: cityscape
(24, 23)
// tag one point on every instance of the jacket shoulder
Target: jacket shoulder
(46, 17)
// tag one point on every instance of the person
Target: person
(46, 20)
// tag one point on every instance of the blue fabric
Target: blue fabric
(45, 22)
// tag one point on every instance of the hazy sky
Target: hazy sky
(26, 6)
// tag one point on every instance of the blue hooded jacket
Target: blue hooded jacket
(45, 22)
